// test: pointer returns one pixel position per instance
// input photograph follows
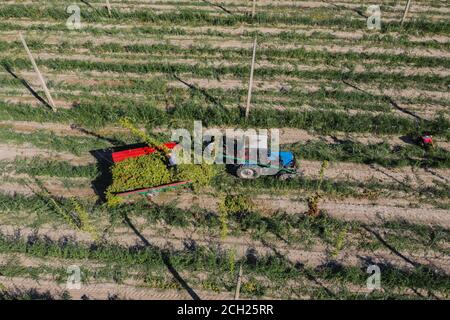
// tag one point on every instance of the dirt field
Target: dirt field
(338, 92)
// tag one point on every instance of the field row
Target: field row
(259, 263)
(347, 19)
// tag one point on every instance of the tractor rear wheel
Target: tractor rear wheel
(247, 172)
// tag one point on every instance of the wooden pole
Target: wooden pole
(36, 69)
(238, 285)
(408, 4)
(108, 6)
(254, 9)
(250, 83)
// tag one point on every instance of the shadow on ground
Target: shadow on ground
(26, 85)
(104, 163)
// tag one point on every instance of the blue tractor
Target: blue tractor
(255, 159)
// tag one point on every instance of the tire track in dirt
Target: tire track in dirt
(25, 184)
(10, 152)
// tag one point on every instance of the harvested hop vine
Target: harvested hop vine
(140, 172)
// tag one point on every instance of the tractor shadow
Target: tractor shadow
(104, 164)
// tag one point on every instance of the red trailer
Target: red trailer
(137, 152)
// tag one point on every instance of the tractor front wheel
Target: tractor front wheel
(247, 172)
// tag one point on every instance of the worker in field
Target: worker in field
(171, 158)
(426, 140)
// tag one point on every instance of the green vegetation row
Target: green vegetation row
(424, 81)
(301, 55)
(317, 37)
(380, 153)
(369, 189)
(335, 234)
(379, 39)
(300, 230)
(348, 151)
(98, 112)
(343, 151)
(291, 98)
(205, 259)
(275, 55)
(294, 229)
(152, 279)
(320, 17)
(323, 98)
(45, 140)
(37, 166)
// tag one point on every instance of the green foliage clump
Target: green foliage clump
(199, 174)
(151, 171)
(112, 199)
(140, 172)
(237, 204)
(128, 124)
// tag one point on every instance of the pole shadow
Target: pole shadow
(299, 266)
(389, 99)
(113, 141)
(165, 254)
(27, 86)
(395, 251)
(359, 12)
(221, 7)
(194, 88)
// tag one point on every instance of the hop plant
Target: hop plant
(140, 172)
(313, 201)
(128, 124)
